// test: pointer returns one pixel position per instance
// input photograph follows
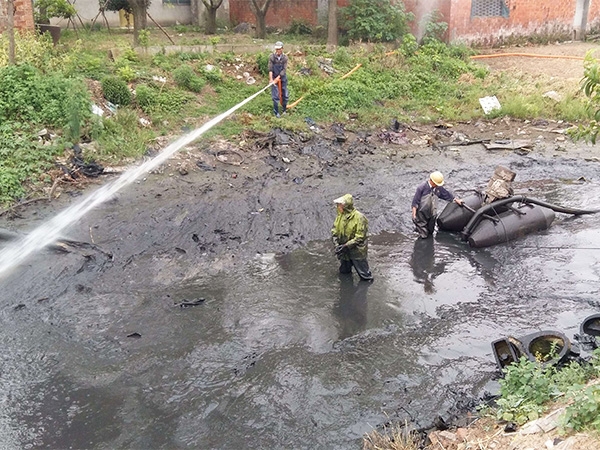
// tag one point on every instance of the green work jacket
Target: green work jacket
(351, 228)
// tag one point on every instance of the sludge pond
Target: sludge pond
(283, 352)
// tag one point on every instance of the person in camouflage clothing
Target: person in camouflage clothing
(349, 235)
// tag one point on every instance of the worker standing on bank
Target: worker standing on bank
(424, 203)
(349, 235)
(278, 76)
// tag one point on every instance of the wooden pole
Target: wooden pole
(11, 31)
(161, 28)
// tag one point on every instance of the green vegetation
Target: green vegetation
(375, 20)
(529, 387)
(159, 93)
(591, 88)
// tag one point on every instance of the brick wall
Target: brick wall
(23, 16)
(525, 17)
(281, 13)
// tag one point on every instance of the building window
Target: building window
(176, 2)
(489, 8)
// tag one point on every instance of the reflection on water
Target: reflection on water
(352, 307)
(422, 262)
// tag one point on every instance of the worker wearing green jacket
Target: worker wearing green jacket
(349, 235)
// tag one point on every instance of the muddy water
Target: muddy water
(283, 352)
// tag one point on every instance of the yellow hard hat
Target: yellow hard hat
(437, 178)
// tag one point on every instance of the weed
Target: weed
(115, 90)
(186, 78)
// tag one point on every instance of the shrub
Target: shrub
(145, 97)
(116, 91)
(299, 27)
(186, 78)
(262, 63)
(375, 20)
(26, 95)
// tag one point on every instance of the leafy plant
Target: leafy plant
(435, 27)
(186, 78)
(262, 63)
(126, 73)
(375, 20)
(47, 9)
(115, 90)
(584, 412)
(299, 27)
(590, 87)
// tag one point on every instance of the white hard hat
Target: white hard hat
(437, 178)
(278, 45)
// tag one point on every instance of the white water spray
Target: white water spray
(50, 231)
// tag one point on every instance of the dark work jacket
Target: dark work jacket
(278, 65)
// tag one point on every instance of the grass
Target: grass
(414, 84)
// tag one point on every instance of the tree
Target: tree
(260, 12)
(376, 20)
(47, 9)
(211, 15)
(11, 31)
(139, 10)
(332, 27)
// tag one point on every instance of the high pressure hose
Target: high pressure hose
(484, 210)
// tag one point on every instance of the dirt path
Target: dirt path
(542, 65)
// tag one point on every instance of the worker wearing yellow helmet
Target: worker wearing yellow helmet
(423, 204)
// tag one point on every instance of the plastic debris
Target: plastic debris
(489, 104)
(97, 110)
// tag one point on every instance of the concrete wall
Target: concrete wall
(165, 14)
(23, 15)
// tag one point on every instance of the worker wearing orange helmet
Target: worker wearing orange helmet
(423, 204)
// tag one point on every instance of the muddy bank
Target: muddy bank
(283, 353)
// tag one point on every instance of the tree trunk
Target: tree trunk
(332, 28)
(211, 21)
(211, 15)
(260, 12)
(195, 10)
(10, 29)
(140, 19)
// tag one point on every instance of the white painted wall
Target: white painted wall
(164, 13)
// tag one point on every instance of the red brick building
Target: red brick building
(23, 15)
(471, 21)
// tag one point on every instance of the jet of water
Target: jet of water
(49, 232)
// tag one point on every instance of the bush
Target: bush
(145, 97)
(298, 28)
(262, 63)
(27, 95)
(375, 20)
(116, 91)
(186, 78)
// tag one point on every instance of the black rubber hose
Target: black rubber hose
(469, 227)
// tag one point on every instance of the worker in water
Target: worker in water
(423, 204)
(278, 77)
(349, 235)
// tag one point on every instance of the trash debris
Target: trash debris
(326, 65)
(204, 166)
(393, 137)
(97, 110)
(552, 95)
(145, 122)
(89, 169)
(230, 157)
(508, 144)
(338, 131)
(134, 335)
(159, 79)
(489, 104)
(188, 303)
(312, 124)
